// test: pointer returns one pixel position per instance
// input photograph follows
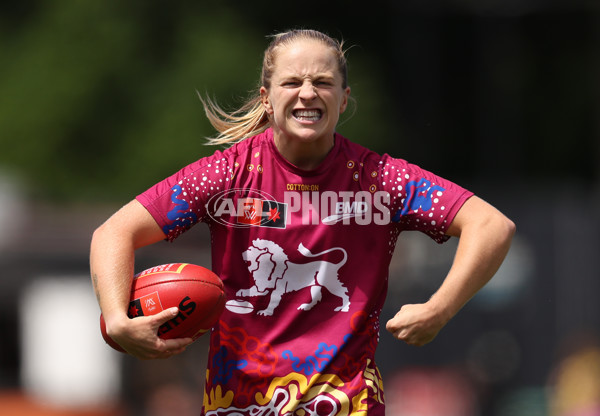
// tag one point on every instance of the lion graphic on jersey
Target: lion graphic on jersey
(275, 275)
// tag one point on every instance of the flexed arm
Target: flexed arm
(112, 254)
(485, 237)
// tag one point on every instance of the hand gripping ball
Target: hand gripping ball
(195, 290)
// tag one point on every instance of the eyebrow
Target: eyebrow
(319, 76)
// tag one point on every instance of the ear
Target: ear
(264, 97)
(344, 102)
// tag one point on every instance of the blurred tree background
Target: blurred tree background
(99, 98)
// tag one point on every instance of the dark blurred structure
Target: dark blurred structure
(99, 101)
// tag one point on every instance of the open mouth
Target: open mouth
(307, 115)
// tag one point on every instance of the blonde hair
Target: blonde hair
(251, 118)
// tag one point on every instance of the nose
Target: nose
(307, 91)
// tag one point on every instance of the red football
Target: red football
(196, 291)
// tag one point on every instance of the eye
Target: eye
(323, 83)
(291, 83)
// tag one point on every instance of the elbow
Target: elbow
(105, 236)
(96, 243)
(506, 230)
(98, 234)
(499, 228)
(510, 227)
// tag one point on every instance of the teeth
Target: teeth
(311, 115)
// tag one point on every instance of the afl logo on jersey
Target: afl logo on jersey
(244, 208)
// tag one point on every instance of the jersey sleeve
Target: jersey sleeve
(179, 201)
(419, 199)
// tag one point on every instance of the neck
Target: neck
(304, 155)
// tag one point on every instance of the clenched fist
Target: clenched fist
(416, 324)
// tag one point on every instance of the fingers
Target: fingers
(165, 348)
(142, 340)
(162, 348)
(164, 316)
(417, 340)
(397, 332)
(175, 346)
(400, 333)
(414, 325)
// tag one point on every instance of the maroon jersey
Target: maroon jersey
(304, 256)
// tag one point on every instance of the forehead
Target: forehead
(305, 57)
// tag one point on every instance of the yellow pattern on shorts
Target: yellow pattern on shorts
(216, 399)
(319, 385)
(297, 394)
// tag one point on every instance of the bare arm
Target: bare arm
(485, 237)
(112, 255)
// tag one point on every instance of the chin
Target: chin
(313, 132)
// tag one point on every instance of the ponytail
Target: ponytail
(247, 121)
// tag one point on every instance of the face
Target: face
(306, 97)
